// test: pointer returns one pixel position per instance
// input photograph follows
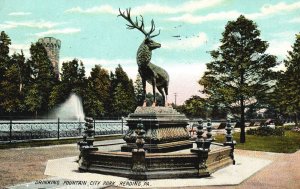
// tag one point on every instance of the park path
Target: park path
(282, 173)
(23, 165)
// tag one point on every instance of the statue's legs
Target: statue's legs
(144, 92)
(154, 92)
(163, 95)
(166, 94)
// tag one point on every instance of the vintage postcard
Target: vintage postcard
(149, 94)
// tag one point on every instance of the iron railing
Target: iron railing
(22, 130)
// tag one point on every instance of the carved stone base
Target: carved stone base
(165, 129)
(139, 165)
(159, 148)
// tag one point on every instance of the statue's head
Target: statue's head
(135, 25)
(151, 44)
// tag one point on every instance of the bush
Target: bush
(266, 131)
(288, 127)
(296, 129)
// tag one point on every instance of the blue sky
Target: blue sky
(92, 32)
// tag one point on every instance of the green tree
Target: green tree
(43, 79)
(4, 52)
(195, 107)
(4, 60)
(73, 80)
(149, 99)
(12, 84)
(138, 90)
(33, 99)
(99, 83)
(240, 70)
(93, 106)
(287, 99)
(122, 91)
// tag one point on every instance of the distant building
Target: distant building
(52, 47)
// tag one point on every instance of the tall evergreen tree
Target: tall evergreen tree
(4, 52)
(123, 101)
(4, 60)
(138, 90)
(73, 80)
(288, 87)
(240, 70)
(12, 84)
(42, 81)
(99, 82)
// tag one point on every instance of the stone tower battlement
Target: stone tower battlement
(52, 47)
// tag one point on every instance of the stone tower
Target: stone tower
(52, 47)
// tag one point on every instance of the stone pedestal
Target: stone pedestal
(165, 130)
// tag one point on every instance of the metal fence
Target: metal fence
(21, 130)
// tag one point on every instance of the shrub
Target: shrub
(266, 131)
(296, 129)
(288, 127)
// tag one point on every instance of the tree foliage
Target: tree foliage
(42, 79)
(138, 90)
(240, 70)
(122, 92)
(286, 97)
(195, 107)
(97, 93)
(73, 80)
(12, 84)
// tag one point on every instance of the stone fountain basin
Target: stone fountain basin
(178, 164)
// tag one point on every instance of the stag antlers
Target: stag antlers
(135, 25)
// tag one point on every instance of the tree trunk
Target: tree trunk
(242, 135)
(296, 119)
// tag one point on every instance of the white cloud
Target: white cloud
(58, 31)
(295, 20)
(268, 9)
(41, 24)
(192, 19)
(279, 48)
(104, 9)
(16, 48)
(6, 26)
(188, 6)
(186, 43)
(280, 67)
(19, 13)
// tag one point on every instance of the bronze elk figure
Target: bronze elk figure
(154, 75)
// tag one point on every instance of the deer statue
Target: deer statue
(154, 75)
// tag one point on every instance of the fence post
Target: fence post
(10, 130)
(94, 127)
(58, 128)
(122, 125)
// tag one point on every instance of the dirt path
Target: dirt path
(20, 165)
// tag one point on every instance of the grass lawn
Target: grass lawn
(288, 143)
